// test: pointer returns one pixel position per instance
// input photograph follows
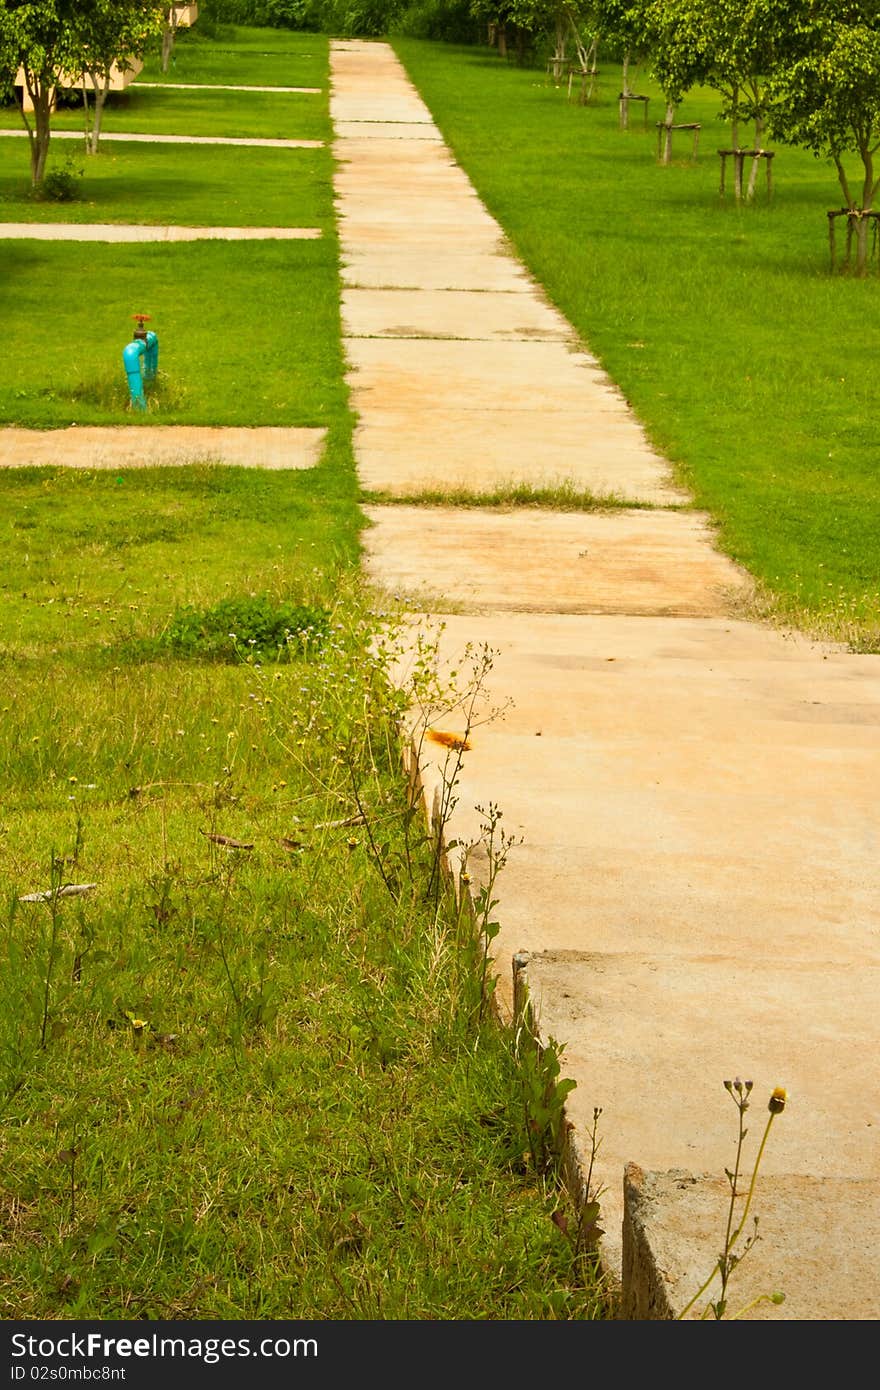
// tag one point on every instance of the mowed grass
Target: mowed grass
(248, 332)
(186, 185)
(206, 113)
(748, 362)
(250, 1070)
(243, 55)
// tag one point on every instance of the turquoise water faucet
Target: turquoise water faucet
(140, 358)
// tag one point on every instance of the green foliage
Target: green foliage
(441, 19)
(254, 629)
(63, 185)
(544, 1091)
(447, 21)
(827, 98)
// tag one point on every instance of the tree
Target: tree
(748, 40)
(679, 53)
(566, 22)
(497, 15)
(827, 99)
(731, 46)
(36, 36)
(621, 24)
(108, 34)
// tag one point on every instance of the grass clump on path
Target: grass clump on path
(749, 363)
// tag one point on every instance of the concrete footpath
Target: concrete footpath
(693, 895)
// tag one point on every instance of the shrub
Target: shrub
(446, 21)
(60, 185)
(246, 629)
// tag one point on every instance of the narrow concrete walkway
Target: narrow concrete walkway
(695, 895)
(221, 87)
(128, 137)
(161, 446)
(137, 231)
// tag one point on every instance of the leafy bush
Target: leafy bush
(344, 17)
(446, 21)
(246, 629)
(60, 185)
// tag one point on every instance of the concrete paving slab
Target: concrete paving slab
(471, 314)
(348, 129)
(393, 108)
(363, 150)
(122, 231)
(385, 183)
(578, 562)
(696, 885)
(526, 377)
(162, 446)
(426, 261)
(222, 87)
(695, 771)
(405, 455)
(650, 1043)
(815, 1234)
(463, 214)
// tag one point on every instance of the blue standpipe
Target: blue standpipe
(131, 360)
(140, 358)
(151, 357)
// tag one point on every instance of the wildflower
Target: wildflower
(777, 1100)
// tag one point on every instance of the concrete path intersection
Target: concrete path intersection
(695, 896)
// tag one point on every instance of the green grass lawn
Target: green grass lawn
(750, 365)
(244, 56)
(202, 186)
(248, 332)
(253, 1071)
(210, 112)
(250, 1073)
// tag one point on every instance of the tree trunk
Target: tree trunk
(734, 120)
(560, 49)
(41, 99)
(502, 40)
(167, 45)
(102, 87)
(753, 175)
(738, 160)
(862, 225)
(87, 125)
(624, 94)
(667, 133)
